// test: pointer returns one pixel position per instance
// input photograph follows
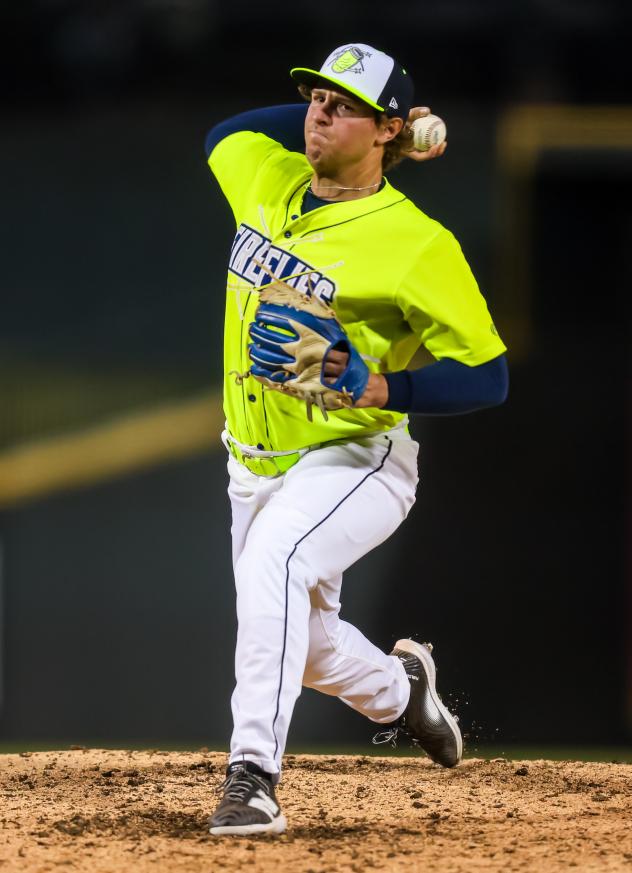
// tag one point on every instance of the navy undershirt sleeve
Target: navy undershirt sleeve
(284, 124)
(448, 387)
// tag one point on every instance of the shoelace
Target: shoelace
(238, 785)
(388, 736)
(412, 666)
(413, 669)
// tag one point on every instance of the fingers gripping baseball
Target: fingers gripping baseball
(426, 154)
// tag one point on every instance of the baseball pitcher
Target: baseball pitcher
(335, 279)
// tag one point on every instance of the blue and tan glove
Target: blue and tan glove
(292, 335)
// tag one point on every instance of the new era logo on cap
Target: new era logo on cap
(370, 74)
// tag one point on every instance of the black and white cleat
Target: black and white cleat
(425, 721)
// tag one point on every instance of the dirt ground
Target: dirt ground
(146, 811)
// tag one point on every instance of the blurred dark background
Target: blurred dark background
(116, 596)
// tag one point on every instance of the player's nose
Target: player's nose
(321, 113)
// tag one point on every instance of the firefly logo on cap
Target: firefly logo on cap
(348, 58)
(367, 73)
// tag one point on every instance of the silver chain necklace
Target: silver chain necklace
(341, 188)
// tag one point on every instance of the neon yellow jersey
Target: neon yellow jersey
(396, 279)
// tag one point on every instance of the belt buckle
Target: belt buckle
(236, 452)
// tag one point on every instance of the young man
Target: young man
(309, 498)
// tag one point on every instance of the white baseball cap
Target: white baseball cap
(374, 77)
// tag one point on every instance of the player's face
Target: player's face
(340, 131)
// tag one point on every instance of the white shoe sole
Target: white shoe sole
(425, 657)
(276, 826)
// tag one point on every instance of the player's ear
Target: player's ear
(388, 128)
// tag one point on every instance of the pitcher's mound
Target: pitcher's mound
(146, 811)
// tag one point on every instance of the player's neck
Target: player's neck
(349, 184)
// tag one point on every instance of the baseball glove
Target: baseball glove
(291, 336)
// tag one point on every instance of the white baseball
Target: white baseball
(428, 131)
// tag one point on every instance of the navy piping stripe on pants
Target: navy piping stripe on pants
(287, 580)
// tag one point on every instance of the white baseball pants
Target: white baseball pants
(293, 537)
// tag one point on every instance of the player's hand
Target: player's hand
(376, 392)
(335, 365)
(413, 153)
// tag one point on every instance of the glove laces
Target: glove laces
(239, 287)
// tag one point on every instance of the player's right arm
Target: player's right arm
(283, 124)
(262, 147)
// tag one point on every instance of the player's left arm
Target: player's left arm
(446, 387)
(442, 305)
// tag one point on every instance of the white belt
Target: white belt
(253, 452)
